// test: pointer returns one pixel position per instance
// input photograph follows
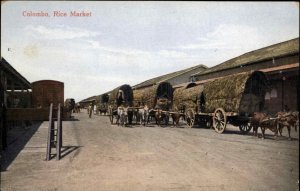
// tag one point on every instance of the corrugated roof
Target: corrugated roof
(169, 76)
(273, 51)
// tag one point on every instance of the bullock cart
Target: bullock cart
(119, 96)
(159, 96)
(102, 106)
(217, 102)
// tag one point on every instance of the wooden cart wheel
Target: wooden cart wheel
(245, 128)
(190, 117)
(219, 120)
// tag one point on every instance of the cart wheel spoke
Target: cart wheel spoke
(245, 128)
(219, 120)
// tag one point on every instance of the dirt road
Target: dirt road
(100, 156)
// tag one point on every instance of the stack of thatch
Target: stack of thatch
(187, 97)
(149, 95)
(240, 93)
(229, 93)
(137, 97)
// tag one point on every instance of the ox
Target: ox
(175, 118)
(261, 120)
(161, 115)
(122, 115)
(143, 115)
(288, 120)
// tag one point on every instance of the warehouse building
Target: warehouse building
(174, 78)
(280, 62)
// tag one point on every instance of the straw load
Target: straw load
(146, 96)
(138, 97)
(149, 95)
(186, 97)
(240, 93)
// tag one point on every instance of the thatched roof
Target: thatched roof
(274, 51)
(169, 76)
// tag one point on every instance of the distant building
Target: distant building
(174, 78)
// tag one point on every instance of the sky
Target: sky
(130, 42)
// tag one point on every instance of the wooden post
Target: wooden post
(48, 155)
(59, 133)
(4, 106)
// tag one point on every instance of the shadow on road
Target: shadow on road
(66, 150)
(267, 135)
(17, 138)
(72, 118)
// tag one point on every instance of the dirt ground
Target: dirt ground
(101, 156)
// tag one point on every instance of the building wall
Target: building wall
(46, 92)
(282, 94)
(181, 79)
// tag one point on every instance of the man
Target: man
(90, 110)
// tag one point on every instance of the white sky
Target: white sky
(130, 42)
